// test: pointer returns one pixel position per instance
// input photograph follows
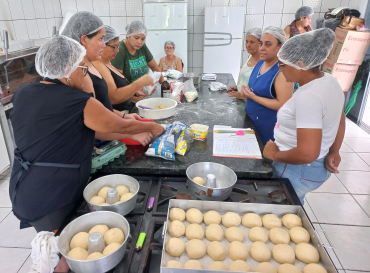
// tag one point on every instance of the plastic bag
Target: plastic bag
(173, 74)
(149, 90)
(190, 92)
(176, 91)
(178, 130)
(217, 86)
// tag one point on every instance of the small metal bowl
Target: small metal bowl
(197, 77)
(84, 224)
(226, 179)
(112, 181)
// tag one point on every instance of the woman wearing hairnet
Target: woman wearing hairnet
(252, 44)
(50, 171)
(310, 126)
(134, 58)
(301, 23)
(170, 61)
(267, 89)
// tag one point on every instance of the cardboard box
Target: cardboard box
(349, 46)
(344, 73)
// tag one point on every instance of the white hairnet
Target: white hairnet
(136, 27)
(303, 11)
(277, 32)
(307, 50)
(169, 43)
(256, 32)
(110, 34)
(82, 23)
(59, 57)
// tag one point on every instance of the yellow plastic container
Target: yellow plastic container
(199, 131)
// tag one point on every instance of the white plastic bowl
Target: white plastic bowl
(160, 113)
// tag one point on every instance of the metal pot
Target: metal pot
(112, 181)
(226, 179)
(84, 224)
(197, 77)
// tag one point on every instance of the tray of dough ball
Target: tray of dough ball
(201, 236)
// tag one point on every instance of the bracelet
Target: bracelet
(123, 116)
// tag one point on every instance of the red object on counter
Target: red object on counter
(131, 141)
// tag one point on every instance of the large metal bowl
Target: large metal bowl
(197, 77)
(84, 224)
(112, 181)
(226, 179)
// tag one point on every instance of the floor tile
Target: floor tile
(26, 266)
(345, 148)
(309, 211)
(355, 131)
(365, 157)
(355, 182)
(352, 162)
(12, 236)
(364, 201)
(4, 194)
(339, 209)
(351, 245)
(333, 185)
(4, 212)
(11, 259)
(359, 145)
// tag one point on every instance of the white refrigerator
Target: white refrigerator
(223, 40)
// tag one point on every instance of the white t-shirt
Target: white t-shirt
(315, 105)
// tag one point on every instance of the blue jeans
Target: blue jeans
(304, 178)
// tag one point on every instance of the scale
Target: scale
(108, 153)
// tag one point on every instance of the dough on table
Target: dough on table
(174, 264)
(199, 180)
(240, 266)
(270, 221)
(175, 247)
(216, 251)
(99, 228)
(212, 217)
(111, 248)
(194, 231)
(177, 214)
(194, 216)
(299, 235)
(238, 251)
(307, 253)
(291, 220)
(279, 236)
(260, 252)
(251, 220)
(231, 219)
(234, 234)
(78, 253)
(193, 264)
(283, 254)
(81, 239)
(257, 234)
(217, 266)
(314, 268)
(266, 268)
(176, 228)
(114, 235)
(122, 190)
(103, 192)
(95, 255)
(214, 232)
(97, 200)
(161, 106)
(126, 196)
(288, 268)
(195, 249)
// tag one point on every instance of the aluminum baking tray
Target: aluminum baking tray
(241, 209)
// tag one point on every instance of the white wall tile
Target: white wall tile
(190, 7)
(67, 5)
(16, 9)
(190, 42)
(190, 24)
(85, 5)
(7, 25)
(33, 30)
(272, 20)
(274, 6)
(117, 8)
(136, 18)
(49, 10)
(220, 3)
(287, 19)
(122, 37)
(101, 8)
(57, 8)
(199, 24)
(58, 22)
(43, 28)
(190, 60)
(256, 6)
(315, 4)
(4, 10)
(252, 21)
(238, 3)
(134, 7)
(106, 20)
(314, 18)
(198, 42)
(291, 6)
(199, 6)
(119, 23)
(330, 4)
(20, 29)
(344, 3)
(198, 59)
(39, 8)
(50, 23)
(352, 3)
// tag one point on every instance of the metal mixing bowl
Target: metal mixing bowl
(197, 77)
(112, 181)
(226, 179)
(84, 224)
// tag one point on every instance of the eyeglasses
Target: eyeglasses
(169, 48)
(280, 64)
(115, 48)
(84, 69)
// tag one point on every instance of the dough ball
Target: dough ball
(260, 252)
(78, 253)
(111, 248)
(234, 234)
(174, 264)
(177, 214)
(97, 200)
(161, 106)
(240, 266)
(212, 217)
(122, 190)
(217, 266)
(251, 220)
(105, 204)
(238, 251)
(81, 239)
(95, 255)
(114, 235)
(314, 268)
(126, 196)
(231, 219)
(270, 221)
(193, 264)
(279, 236)
(214, 232)
(176, 228)
(307, 253)
(288, 268)
(283, 254)
(216, 251)
(194, 216)
(175, 247)
(117, 202)
(103, 192)
(291, 220)
(99, 228)
(299, 235)
(199, 180)
(266, 268)
(195, 249)
(257, 234)
(194, 231)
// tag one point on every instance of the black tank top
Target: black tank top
(101, 91)
(121, 82)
